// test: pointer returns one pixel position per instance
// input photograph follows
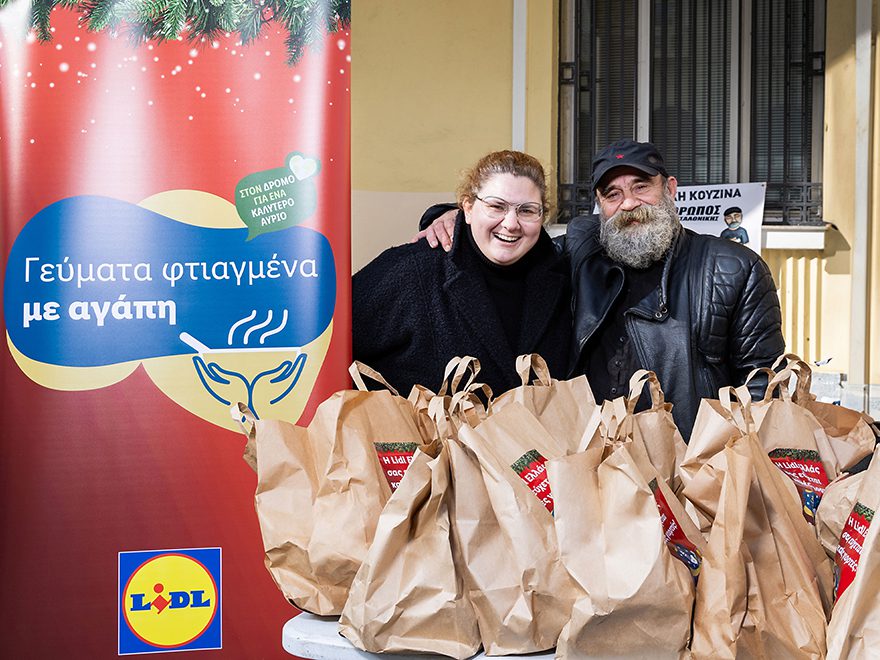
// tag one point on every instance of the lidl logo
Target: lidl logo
(169, 600)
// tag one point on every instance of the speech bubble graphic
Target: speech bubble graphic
(210, 316)
(94, 296)
(279, 198)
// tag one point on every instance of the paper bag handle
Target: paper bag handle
(417, 392)
(726, 396)
(594, 425)
(358, 369)
(616, 421)
(532, 362)
(780, 382)
(466, 405)
(775, 381)
(247, 421)
(457, 367)
(637, 384)
(470, 393)
(803, 372)
(766, 371)
(438, 414)
(244, 416)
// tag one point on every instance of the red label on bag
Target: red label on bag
(530, 468)
(850, 548)
(804, 467)
(679, 544)
(395, 457)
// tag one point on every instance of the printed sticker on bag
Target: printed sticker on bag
(679, 544)
(804, 467)
(530, 468)
(850, 548)
(395, 457)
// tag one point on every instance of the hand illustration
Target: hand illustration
(285, 378)
(227, 386)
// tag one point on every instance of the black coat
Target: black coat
(714, 317)
(414, 308)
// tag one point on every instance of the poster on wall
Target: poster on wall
(734, 211)
(174, 222)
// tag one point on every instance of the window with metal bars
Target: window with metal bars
(786, 110)
(690, 88)
(729, 90)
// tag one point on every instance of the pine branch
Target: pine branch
(250, 23)
(150, 10)
(99, 15)
(41, 10)
(173, 19)
(338, 15)
(228, 19)
(306, 21)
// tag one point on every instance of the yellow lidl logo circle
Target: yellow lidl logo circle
(170, 600)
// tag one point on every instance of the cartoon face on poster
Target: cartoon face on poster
(733, 211)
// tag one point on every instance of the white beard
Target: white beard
(643, 242)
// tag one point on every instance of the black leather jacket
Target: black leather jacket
(714, 318)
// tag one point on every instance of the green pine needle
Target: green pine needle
(306, 21)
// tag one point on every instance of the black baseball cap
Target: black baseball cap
(643, 156)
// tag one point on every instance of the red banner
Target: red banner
(174, 218)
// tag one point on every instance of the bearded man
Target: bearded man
(699, 311)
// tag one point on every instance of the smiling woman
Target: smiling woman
(501, 291)
(505, 230)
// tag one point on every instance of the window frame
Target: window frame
(576, 198)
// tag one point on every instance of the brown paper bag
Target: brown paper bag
(797, 444)
(563, 407)
(503, 526)
(719, 421)
(720, 427)
(834, 509)
(847, 436)
(320, 490)
(715, 425)
(656, 429)
(854, 630)
(763, 588)
(626, 550)
(408, 595)
(363, 443)
(287, 484)
(788, 432)
(801, 446)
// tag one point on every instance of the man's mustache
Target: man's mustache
(640, 215)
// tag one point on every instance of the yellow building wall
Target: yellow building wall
(833, 310)
(874, 229)
(799, 280)
(432, 90)
(542, 85)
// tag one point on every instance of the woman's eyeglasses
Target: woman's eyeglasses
(497, 208)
